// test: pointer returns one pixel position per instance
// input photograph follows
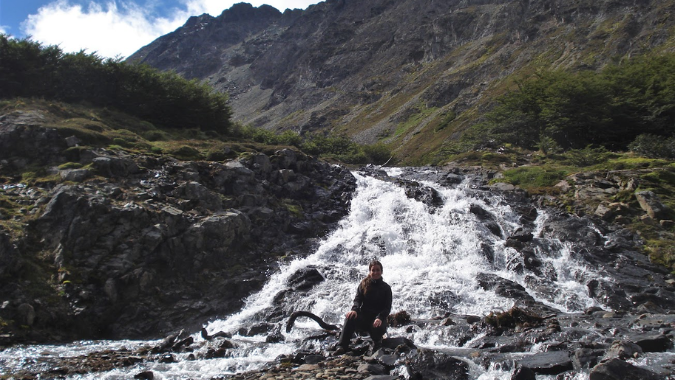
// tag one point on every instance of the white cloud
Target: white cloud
(111, 29)
(121, 27)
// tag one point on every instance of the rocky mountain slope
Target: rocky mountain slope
(413, 73)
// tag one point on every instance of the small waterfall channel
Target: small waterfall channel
(431, 257)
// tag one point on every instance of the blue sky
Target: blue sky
(111, 28)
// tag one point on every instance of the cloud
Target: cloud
(110, 29)
(121, 27)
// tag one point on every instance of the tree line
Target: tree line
(624, 106)
(29, 69)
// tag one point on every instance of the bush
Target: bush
(573, 110)
(587, 156)
(653, 146)
(27, 69)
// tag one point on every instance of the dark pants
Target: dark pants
(362, 323)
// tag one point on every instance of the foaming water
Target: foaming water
(431, 258)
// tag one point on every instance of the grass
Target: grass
(534, 178)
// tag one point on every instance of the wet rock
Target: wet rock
(487, 219)
(168, 358)
(623, 350)
(305, 278)
(425, 194)
(617, 369)
(586, 358)
(523, 373)
(502, 286)
(257, 329)
(375, 369)
(145, 375)
(429, 364)
(658, 343)
(548, 363)
(609, 294)
(396, 342)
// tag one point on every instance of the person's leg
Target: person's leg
(376, 334)
(347, 332)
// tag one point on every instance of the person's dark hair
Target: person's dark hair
(365, 283)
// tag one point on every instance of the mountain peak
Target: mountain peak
(415, 73)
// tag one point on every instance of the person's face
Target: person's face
(375, 272)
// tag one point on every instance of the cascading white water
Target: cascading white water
(430, 257)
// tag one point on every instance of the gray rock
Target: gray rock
(651, 203)
(549, 363)
(617, 369)
(72, 141)
(623, 350)
(305, 279)
(26, 314)
(657, 343)
(75, 175)
(429, 364)
(375, 369)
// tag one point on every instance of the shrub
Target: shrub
(378, 153)
(587, 156)
(574, 109)
(27, 69)
(653, 146)
(186, 153)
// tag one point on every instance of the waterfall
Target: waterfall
(431, 258)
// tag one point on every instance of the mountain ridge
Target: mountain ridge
(414, 74)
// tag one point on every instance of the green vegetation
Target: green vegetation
(168, 114)
(28, 69)
(336, 147)
(556, 111)
(534, 178)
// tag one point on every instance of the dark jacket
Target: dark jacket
(376, 303)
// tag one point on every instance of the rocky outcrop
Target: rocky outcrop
(141, 245)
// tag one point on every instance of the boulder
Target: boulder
(623, 350)
(428, 364)
(548, 363)
(502, 287)
(654, 343)
(305, 278)
(651, 203)
(617, 369)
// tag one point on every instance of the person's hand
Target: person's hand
(351, 314)
(377, 323)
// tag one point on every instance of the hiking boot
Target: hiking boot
(341, 350)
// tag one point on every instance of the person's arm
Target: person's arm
(358, 300)
(384, 313)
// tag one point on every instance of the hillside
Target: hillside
(105, 234)
(412, 73)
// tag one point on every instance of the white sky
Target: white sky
(118, 28)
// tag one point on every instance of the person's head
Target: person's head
(374, 273)
(375, 270)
